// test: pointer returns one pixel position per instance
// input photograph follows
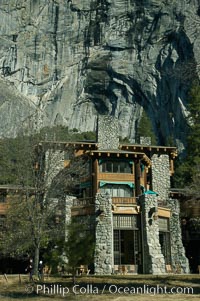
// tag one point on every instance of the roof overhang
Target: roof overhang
(120, 154)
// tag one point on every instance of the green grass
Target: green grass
(103, 288)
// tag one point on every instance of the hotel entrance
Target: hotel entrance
(126, 244)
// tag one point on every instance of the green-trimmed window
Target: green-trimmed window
(117, 190)
(115, 166)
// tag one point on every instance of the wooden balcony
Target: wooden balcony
(126, 177)
(83, 206)
(83, 202)
(123, 200)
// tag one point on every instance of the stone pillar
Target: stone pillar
(177, 248)
(145, 140)
(103, 257)
(108, 132)
(153, 259)
(161, 175)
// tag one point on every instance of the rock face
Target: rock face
(68, 61)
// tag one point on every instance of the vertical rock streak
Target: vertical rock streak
(77, 59)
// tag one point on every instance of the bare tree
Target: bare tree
(43, 182)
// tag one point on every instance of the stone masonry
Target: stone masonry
(177, 250)
(153, 260)
(104, 235)
(161, 175)
(108, 129)
(145, 140)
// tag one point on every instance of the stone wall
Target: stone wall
(177, 250)
(103, 258)
(153, 261)
(161, 175)
(108, 132)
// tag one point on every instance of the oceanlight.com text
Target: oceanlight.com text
(151, 290)
(91, 289)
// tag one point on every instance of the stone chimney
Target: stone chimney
(107, 132)
(145, 140)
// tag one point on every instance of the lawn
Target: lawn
(91, 288)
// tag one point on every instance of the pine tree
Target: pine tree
(145, 129)
(79, 247)
(193, 147)
(188, 166)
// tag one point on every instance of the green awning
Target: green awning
(150, 192)
(130, 184)
(85, 185)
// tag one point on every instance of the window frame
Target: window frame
(118, 190)
(115, 166)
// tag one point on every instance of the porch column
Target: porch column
(153, 259)
(177, 249)
(103, 257)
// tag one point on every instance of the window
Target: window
(125, 221)
(86, 192)
(116, 166)
(163, 224)
(164, 239)
(2, 197)
(127, 241)
(117, 190)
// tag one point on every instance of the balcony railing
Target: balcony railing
(123, 200)
(83, 202)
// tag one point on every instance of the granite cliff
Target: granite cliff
(65, 62)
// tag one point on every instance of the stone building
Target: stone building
(126, 196)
